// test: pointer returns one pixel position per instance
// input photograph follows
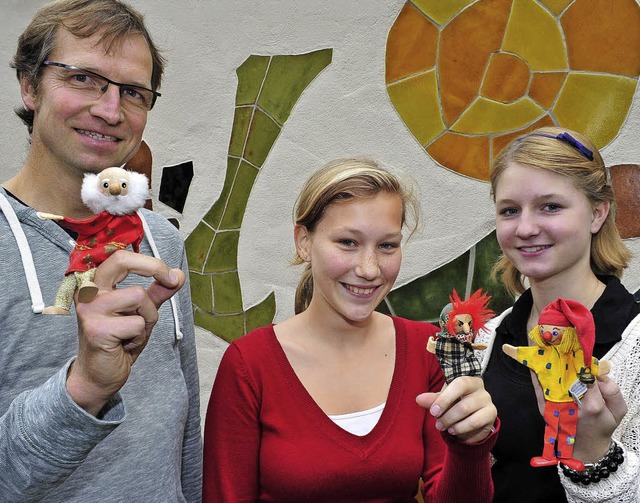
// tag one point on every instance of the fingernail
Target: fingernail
(435, 410)
(172, 277)
(439, 426)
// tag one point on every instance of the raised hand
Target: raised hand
(114, 328)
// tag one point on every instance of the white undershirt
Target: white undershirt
(359, 423)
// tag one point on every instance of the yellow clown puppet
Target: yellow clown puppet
(562, 359)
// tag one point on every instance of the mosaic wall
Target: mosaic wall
(465, 77)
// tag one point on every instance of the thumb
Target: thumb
(612, 397)
(425, 400)
(163, 289)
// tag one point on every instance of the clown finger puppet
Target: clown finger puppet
(562, 359)
(453, 346)
(115, 195)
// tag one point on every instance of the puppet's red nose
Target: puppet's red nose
(547, 336)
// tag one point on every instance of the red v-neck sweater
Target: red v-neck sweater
(267, 440)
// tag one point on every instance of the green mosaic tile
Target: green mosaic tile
(197, 246)
(228, 328)
(262, 134)
(424, 297)
(215, 214)
(224, 252)
(595, 105)
(239, 196)
(288, 76)
(201, 290)
(252, 138)
(261, 314)
(241, 123)
(250, 78)
(227, 297)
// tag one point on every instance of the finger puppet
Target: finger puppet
(453, 346)
(562, 359)
(115, 195)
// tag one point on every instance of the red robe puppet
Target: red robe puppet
(115, 195)
(562, 360)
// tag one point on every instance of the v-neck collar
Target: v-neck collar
(362, 445)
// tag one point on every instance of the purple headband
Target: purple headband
(567, 138)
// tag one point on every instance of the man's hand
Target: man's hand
(114, 328)
(464, 409)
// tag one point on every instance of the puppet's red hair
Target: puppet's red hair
(475, 306)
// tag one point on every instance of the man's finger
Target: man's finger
(122, 263)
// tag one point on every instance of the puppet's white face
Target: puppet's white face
(115, 190)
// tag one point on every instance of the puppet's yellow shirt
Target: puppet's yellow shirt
(556, 372)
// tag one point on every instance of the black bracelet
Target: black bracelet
(594, 472)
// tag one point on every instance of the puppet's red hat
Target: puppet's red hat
(568, 312)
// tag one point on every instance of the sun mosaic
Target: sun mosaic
(467, 77)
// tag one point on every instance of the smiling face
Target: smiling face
(544, 224)
(79, 133)
(355, 255)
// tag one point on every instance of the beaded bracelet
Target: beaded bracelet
(601, 469)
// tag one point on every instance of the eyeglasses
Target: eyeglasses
(95, 85)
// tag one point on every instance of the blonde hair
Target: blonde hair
(569, 342)
(542, 149)
(339, 181)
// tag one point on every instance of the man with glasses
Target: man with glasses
(102, 405)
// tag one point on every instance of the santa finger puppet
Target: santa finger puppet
(562, 359)
(453, 346)
(114, 195)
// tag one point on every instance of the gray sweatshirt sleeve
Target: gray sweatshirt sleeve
(45, 436)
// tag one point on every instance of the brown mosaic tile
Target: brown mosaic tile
(545, 86)
(507, 78)
(625, 179)
(603, 36)
(411, 46)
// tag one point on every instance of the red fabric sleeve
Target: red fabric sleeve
(231, 435)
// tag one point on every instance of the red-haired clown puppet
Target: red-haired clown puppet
(115, 195)
(562, 359)
(453, 346)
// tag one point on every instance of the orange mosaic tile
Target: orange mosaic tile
(466, 44)
(545, 86)
(507, 78)
(597, 45)
(411, 46)
(468, 155)
(501, 141)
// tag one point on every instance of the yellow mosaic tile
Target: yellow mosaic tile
(556, 6)
(466, 44)
(507, 78)
(411, 45)
(534, 34)
(468, 155)
(416, 100)
(545, 86)
(595, 105)
(486, 116)
(441, 12)
(614, 47)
